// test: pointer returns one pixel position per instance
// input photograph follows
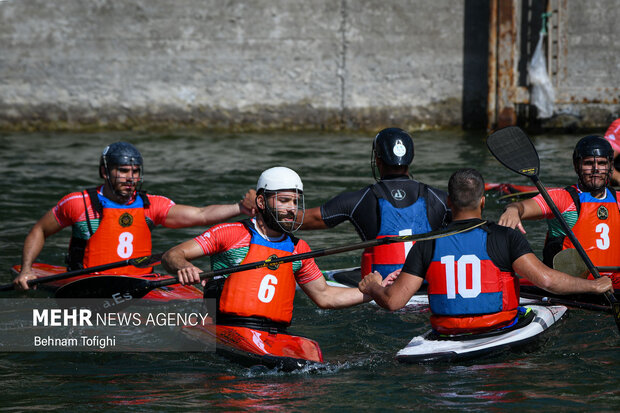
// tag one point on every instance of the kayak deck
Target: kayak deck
(429, 348)
(350, 277)
(252, 347)
(163, 294)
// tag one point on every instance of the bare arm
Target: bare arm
(327, 296)
(518, 211)
(181, 216)
(177, 261)
(530, 267)
(313, 219)
(394, 296)
(35, 240)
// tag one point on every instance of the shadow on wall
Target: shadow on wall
(475, 64)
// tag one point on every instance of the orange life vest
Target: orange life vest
(598, 231)
(123, 233)
(262, 292)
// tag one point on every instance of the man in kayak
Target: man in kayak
(472, 285)
(613, 136)
(261, 298)
(395, 205)
(113, 222)
(590, 207)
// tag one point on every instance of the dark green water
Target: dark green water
(574, 369)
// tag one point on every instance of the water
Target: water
(574, 369)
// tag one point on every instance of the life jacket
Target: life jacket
(597, 229)
(396, 220)
(467, 292)
(122, 233)
(262, 292)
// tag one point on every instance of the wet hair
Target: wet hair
(465, 188)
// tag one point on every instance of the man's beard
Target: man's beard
(269, 217)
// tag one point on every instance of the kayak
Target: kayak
(432, 347)
(350, 277)
(253, 347)
(163, 294)
(507, 189)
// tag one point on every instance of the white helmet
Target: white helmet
(279, 178)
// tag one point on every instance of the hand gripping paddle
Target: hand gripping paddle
(513, 149)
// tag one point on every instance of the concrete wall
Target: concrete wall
(234, 64)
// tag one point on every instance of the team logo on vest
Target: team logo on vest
(273, 265)
(602, 212)
(125, 220)
(398, 194)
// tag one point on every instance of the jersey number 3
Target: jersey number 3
(603, 242)
(460, 279)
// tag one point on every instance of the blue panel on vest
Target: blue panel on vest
(386, 269)
(107, 203)
(285, 245)
(413, 217)
(472, 242)
(484, 303)
(587, 197)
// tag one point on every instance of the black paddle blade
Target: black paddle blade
(145, 262)
(513, 149)
(111, 287)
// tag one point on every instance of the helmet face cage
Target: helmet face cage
(593, 146)
(274, 217)
(121, 154)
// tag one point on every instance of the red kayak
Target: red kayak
(510, 188)
(163, 294)
(252, 347)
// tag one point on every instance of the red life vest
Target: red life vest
(467, 292)
(262, 292)
(123, 233)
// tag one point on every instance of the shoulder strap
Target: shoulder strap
(379, 189)
(145, 199)
(94, 201)
(573, 194)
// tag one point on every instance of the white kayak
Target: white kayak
(419, 299)
(433, 347)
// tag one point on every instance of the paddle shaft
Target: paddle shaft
(567, 302)
(139, 261)
(570, 234)
(102, 287)
(314, 254)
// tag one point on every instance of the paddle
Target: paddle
(514, 149)
(139, 262)
(570, 262)
(127, 287)
(563, 301)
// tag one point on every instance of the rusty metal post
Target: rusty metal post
(492, 67)
(503, 34)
